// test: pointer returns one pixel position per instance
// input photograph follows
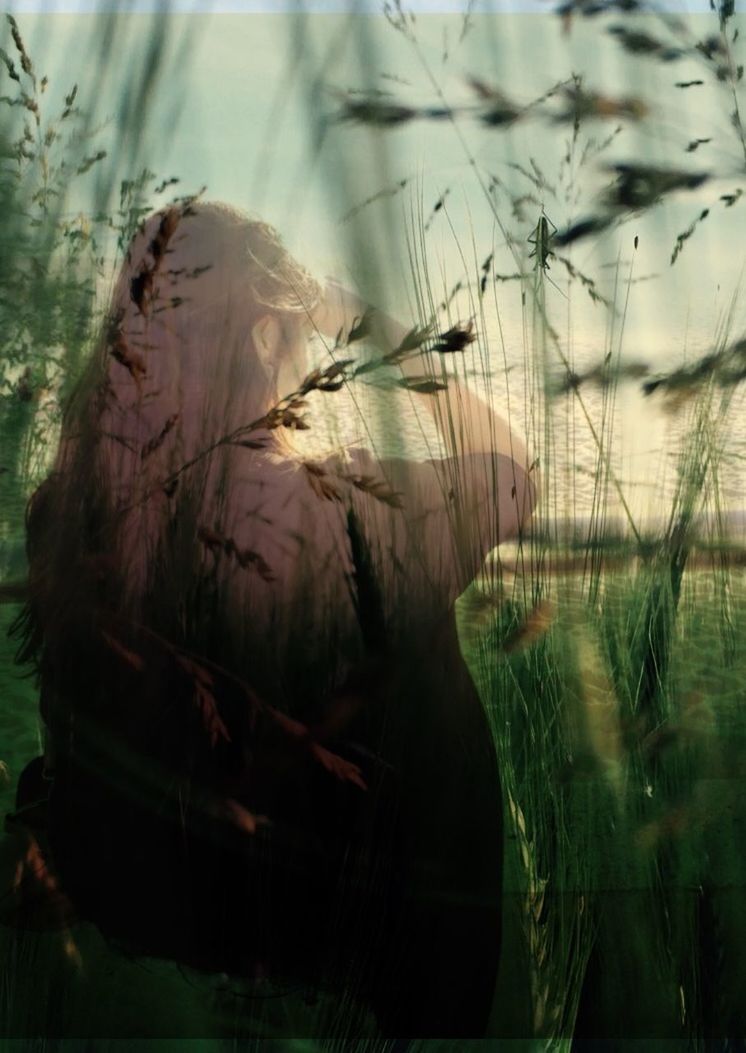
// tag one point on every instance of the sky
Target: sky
(245, 102)
(269, 7)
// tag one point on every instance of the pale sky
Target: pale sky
(237, 108)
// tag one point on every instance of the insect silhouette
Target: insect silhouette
(541, 240)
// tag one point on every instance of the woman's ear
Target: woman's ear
(267, 336)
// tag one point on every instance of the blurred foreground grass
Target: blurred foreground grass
(625, 815)
(625, 915)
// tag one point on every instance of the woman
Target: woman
(267, 754)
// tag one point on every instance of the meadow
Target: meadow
(607, 645)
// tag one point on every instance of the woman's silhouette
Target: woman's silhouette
(266, 752)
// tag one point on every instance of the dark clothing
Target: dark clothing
(392, 893)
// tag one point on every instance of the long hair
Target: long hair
(118, 534)
(174, 372)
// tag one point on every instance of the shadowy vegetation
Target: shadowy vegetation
(590, 652)
(610, 664)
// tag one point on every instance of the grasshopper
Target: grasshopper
(541, 240)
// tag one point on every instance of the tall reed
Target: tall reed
(604, 755)
(610, 667)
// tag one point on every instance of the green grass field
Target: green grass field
(624, 864)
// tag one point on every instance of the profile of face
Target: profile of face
(281, 344)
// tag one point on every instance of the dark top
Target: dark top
(336, 594)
